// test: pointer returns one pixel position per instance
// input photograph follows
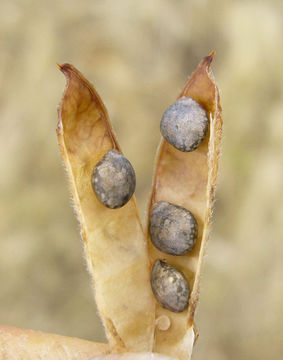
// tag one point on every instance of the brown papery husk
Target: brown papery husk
(132, 356)
(188, 179)
(24, 344)
(114, 241)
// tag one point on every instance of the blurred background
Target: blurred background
(138, 54)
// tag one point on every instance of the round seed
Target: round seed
(184, 124)
(169, 286)
(173, 229)
(113, 180)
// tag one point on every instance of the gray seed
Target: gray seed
(169, 286)
(113, 180)
(184, 124)
(173, 229)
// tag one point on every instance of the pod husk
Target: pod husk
(24, 344)
(188, 179)
(132, 356)
(114, 241)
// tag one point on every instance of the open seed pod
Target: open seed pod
(114, 240)
(188, 179)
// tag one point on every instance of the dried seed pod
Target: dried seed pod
(169, 286)
(188, 178)
(184, 124)
(113, 180)
(173, 229)
(114, 241)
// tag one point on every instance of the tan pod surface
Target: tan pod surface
(24, 344)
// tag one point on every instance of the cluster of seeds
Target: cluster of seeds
(172, 228)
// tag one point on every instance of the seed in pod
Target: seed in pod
(113, 180)
(184, 124)
(169, 286)
(173, 229)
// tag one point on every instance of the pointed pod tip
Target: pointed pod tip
(208, 59)
(66, 68)
(59, 66)
(211, 55)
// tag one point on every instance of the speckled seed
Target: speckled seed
(173, 229)
(113, 180)
(169, 286)
(184, 124)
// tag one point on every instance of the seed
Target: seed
(169, 286)
(173, 229)
(113, 180)
(184, 124)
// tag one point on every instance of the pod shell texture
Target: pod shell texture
(184, 124)
(113, 180)
(173, 229)
(169, 286)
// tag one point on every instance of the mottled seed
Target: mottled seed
(113, 180)
(184, 124)
(169, 286)
(173, 229)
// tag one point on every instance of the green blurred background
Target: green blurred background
(138, 54)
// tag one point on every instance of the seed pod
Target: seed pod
(184, 124)
(169, 286)
(173, 229)
(113, 180)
